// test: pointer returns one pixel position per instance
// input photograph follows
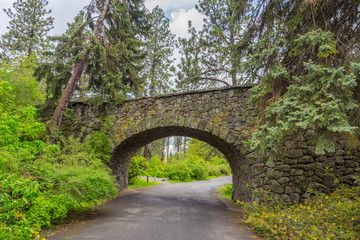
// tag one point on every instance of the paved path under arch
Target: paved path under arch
(179, 211)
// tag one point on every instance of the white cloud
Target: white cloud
(170, 5)
(63, 11)
(4, 19)
(179, 21)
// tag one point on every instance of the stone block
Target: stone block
(276, 187)
(296, 172)
(283, 180)
(283, 168)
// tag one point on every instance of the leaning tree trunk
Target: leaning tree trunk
(74, 79)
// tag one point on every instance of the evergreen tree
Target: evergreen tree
(210, 56)
(109, 54)
(159, 46)
(28, 28)
(306, 55)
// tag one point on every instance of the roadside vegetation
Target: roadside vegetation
(321, 216)
(137, 182)
(179, 167)
(302, 55)
(40, 182)
(226, 191)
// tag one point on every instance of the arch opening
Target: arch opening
(122, 154)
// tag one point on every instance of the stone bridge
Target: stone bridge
(224, 119)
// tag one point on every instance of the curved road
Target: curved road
(178, 211)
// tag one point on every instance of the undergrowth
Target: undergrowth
(139, 182)
(225, 191)
(332, 216)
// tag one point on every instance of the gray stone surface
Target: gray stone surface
(224, 119)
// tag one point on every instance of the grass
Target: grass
(211, 177)
(138, 183)
(180, 181)
(225, 191)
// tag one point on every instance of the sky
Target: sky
(64, 11)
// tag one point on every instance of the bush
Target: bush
(156, 167)
(225, 169)
(137, 167)
(40, 183)
(226, 191)
(198, 171)
(334, 216)
(218, 170)
(178, 171)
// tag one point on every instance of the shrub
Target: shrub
(156, 167)
(198, 171)
(137, 167)
(334, 216)
(213, 170)
(178, 171)
(225, 169)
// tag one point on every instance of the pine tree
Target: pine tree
(306, 56)
(209, 56)
(159, 47)
(28, 28)
(110, 60)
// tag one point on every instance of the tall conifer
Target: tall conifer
(27, 31)
(210, 55)
(159, 47)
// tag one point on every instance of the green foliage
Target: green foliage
(139, 183)
(210, 57)
(334, 216)
(39, 182)
(219, 170)
(200, 149)
(18, 87)
(178, 171)
(137, 167)
(193, 167)
(117, 57)
(28, 28)
(226, 191)
(156, 167)
(159, 45)
(318, 99)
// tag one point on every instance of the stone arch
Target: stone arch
(140, 134)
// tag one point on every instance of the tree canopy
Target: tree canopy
(28, 28)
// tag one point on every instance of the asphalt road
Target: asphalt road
(178, 211)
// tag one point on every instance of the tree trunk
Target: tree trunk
(74, 79)
(184, 147)
(163, 150)
(178, 146)
(146, 152)
(168, 149)
(232, 47)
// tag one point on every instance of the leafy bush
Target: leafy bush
(192, 168)
(226, 191)
(198, 171)
(40, 183)
(156, 167)
(218, 170)
(137, 167)
(334, 216)
(178, 171)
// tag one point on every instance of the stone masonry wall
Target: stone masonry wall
(224, 119)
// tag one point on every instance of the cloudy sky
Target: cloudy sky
(64, 11)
